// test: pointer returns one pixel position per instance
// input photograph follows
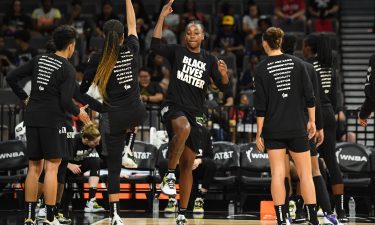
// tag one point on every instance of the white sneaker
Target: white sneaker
(168, 185)
(92, 206)
(320, 212)
(54, 222)
(29, 221)
(198, 205)
(116, 220)
(128, 160)
(181, 220)
(38, 206)
(42, 213)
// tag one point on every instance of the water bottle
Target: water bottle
(351, 207)
(231, 208)
(155, 206)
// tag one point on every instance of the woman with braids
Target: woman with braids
(184, 109)
(318, 51)
(283, 90)
(114, 71)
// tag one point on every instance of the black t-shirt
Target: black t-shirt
(83, 26)
(190, 75)
(322, 5)
(122, 88)
(369, 104)
(327, 83)
(23, 57)
(82, 151)
(53, 80)
(152, 89)
(22, 22)
(283, 90)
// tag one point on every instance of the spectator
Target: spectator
(171, 22)
(151, 92)
(218, 104)
(321, 13)
(7, 59)
(16, 20)
(246, 82)
(250, 20)
(106, 14)
(24, 52)
(342, 133)
(290, 10)
(191, 13)
(160, 70)
(255, 45)
(323, 8)
(141, 15)
(228, 40)
(228, 10)
(46, 18)
(83, 26)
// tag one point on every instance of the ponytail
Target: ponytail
(113, 30)
(324, 51)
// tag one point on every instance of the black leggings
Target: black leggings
(205, 172)
(327, 150)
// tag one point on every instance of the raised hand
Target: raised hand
(167, 9)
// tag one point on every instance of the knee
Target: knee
(304, 176)
(35, 169)
(183, 130)
(51, 166)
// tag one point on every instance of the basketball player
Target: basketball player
(184, 111)
(53, 79)
(283, 89)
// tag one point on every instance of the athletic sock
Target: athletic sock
(287, 189)
(312, 216)
(30, 210)
(92, 193)
(280, 214)
(170, 171)
(57, 209)
(130, 137)
(201, 194)
(322, 195)
(50, 212)
(339, 203)
(114, 207)
(299, 204)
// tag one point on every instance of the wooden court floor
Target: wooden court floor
(154, 221)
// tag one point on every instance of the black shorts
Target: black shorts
(196, 121)
(45, 143)
(298, 144)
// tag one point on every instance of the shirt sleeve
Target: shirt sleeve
(316, 87)
(308, 91)
(260, 97)
(86, 99)
(133, 43)
(89, 73)
(26, 70)
(67, 90)
(165, 50)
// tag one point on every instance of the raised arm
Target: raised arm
(130, 18)
(167, 9)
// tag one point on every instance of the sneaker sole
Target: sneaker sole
(164, 192)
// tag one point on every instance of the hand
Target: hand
(83, 116)
(197, 162)
(319, 136)
(74, 168)
(167, 9)
(222, 67)
(362, 122)
(144, 98)
(311, 129)
(260, 143)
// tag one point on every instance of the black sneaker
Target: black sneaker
(300, 217)
(341, 216)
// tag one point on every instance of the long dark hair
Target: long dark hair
(11, 8)
(113, 30)
(321, 46)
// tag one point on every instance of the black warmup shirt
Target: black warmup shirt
(283, 89)
(122, 88)
(82, 151)
(314, 80)
(368, 105)
(190, 75)
(327, 83)
(53, 80)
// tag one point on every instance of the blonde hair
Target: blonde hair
(274, 37)
(90, 132)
